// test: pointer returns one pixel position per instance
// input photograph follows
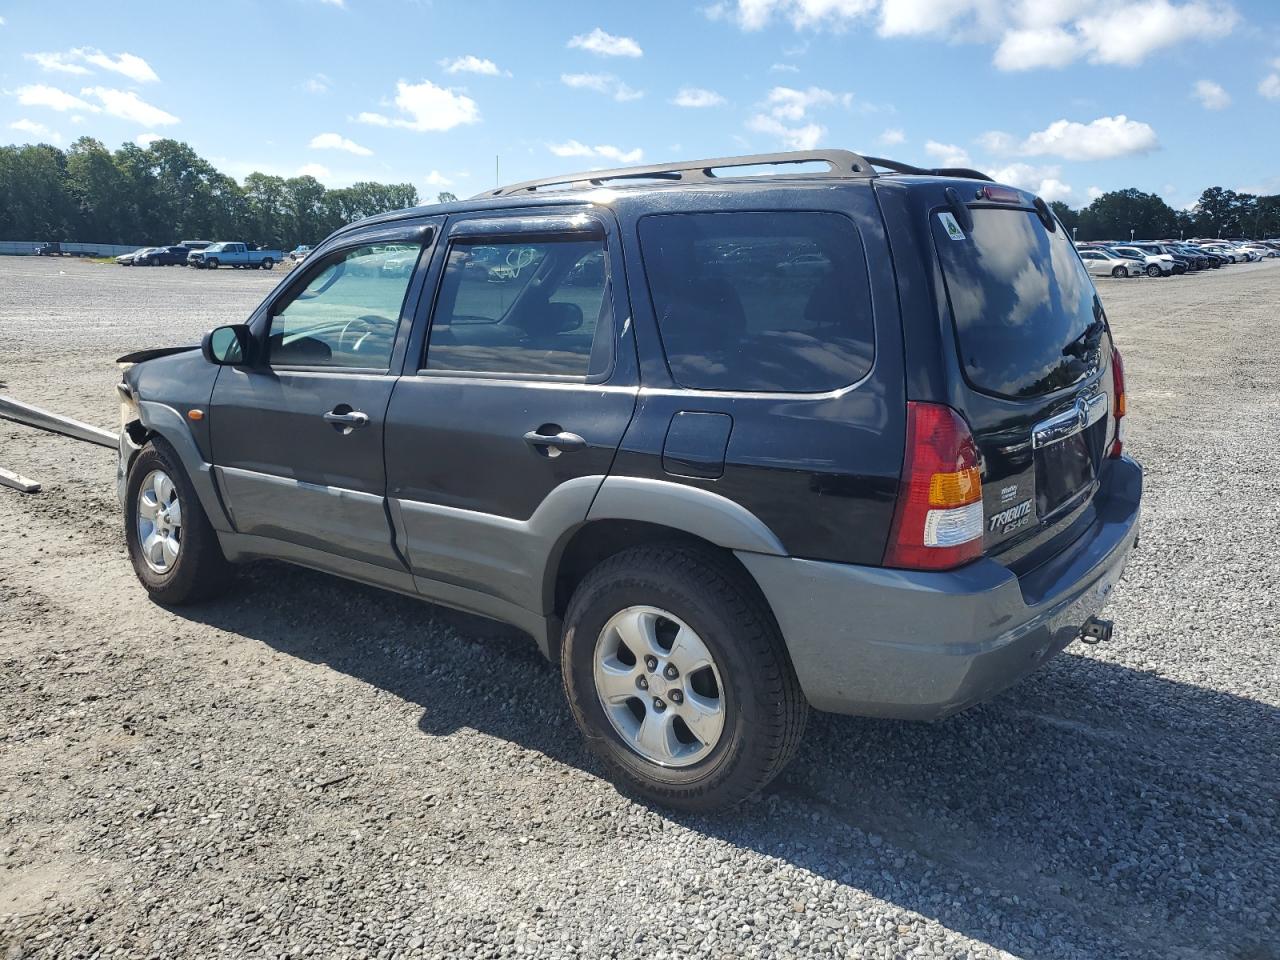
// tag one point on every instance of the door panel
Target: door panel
(297, 438)
(496, 447)
(289, 474)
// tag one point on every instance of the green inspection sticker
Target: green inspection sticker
(953, 228)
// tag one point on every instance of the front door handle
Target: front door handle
(344, 419)
(554, 444)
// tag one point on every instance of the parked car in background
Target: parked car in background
(714, 493)
(56, 249)
(130, 259)
(1103, 263)
(299, 253)
(1153, 264)
(233, 254)
(196, 244)
(1262, 250)
(1222, 249)
(1204, 259)
(162, 257)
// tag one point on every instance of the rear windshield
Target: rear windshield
(1019, 296)
(777, 301)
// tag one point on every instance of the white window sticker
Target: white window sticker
(953, 228)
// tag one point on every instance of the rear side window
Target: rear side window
(1020, 297)
(775, 302)
(535, 306)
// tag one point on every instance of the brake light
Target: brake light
(938, 521)
(999, 195)
(1117, 387)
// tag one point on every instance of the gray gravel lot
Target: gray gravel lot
(312, 768)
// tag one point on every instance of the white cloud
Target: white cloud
(39, 95)
(36, 130)
(1093, 193)
(947, 154)
(437, 179)
(145, 140)
(601, 83)
(1211, 95)
(785, 109)
(334, 141)
(317, 83)
(473, 64)
(1027, 34)
(606, 44)
(997, 141)
(319, 171)
(804, 137)
(784, 68)
(786, 103)
(575, 148)
(127, 105)
(426, 107)
(1127, 34)
(697, 97)
(1045, 182)
(1037, 47)
(79, 59)
(892, 137)
(1102, 139)
(57, 63)
(1270, 85)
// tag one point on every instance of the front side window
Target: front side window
(348, 312)
(776, 302)
(539, 306)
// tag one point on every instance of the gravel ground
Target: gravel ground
(312, 768)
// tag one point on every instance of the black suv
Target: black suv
(727, 445)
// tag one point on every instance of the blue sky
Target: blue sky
(1067, 97)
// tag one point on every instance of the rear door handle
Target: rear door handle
(555, 442)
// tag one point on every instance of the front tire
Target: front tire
(1120, 272)
(1153, 270)
(174, 550)
(678, 677)
(211, 264)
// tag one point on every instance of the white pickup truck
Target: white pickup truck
(233, 255)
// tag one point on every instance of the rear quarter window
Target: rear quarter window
(1019, 296)
(768, 301)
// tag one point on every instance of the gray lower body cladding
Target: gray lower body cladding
(910, 645)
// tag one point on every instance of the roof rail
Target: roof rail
(899, 167)
(842, 164)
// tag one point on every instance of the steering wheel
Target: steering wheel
(357, 330)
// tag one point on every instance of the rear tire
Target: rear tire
(267, 263)
(174, 549)
(735, 681)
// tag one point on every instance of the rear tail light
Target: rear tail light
(938, 521)
(999, 195)
(1117, 387)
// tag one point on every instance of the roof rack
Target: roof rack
(842, 164)
(899, 167)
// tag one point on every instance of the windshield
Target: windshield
(214, 247)
(1020, 298)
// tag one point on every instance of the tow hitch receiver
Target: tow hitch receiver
(1095, 630)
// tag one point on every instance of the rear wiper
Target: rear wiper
(1085, 344)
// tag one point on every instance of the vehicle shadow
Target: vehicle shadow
(1093, 810)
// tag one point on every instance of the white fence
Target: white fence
(25, 248)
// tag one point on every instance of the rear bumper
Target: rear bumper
(912, 645)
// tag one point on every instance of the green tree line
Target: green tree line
(165, 192)
(1218, 213)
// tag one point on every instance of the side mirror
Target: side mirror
(228, 346)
